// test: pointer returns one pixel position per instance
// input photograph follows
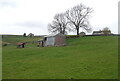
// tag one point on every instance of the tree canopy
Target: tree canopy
(72, 20)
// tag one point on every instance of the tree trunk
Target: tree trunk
(64, 30)
(77, 32)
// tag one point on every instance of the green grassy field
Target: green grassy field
(83, 58)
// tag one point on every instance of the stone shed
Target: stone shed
(54, 40)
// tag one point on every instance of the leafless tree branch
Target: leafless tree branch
(78, 17)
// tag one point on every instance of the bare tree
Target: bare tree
(78, 17)
(59, 24)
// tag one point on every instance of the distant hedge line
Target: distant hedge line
(75, 36)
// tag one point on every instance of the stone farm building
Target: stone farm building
(101, 32)
(30, 35)
(54, 40)
(82, 34)
(97, 32)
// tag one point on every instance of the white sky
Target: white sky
(33, 16)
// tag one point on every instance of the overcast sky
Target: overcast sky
(33, 16)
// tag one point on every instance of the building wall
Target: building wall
(50, 41)
(57, 40)
(101, 33)
(82, 34)
(60, 40)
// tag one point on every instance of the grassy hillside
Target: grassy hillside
(83, 58)
(12, 39)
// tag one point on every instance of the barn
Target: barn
(54, 40)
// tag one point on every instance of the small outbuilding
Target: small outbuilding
(54, 40)
(102, 32)
(98, 32)
(30, 35)
(82, 34)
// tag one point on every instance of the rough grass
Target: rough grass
(15, 39)
(83, 58)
